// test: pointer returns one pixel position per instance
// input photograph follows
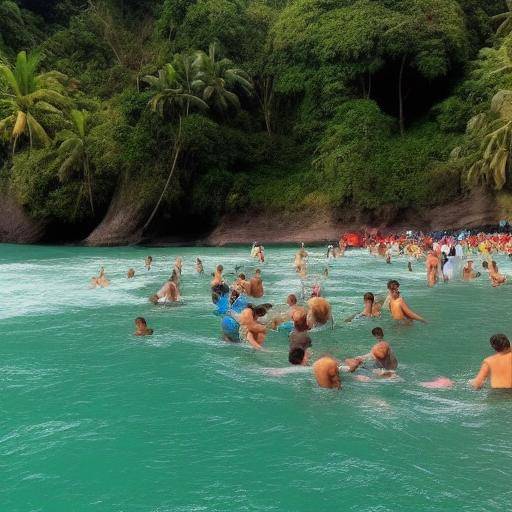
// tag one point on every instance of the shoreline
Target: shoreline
(313, 227)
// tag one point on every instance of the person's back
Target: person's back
(500, 366)
(256, 286)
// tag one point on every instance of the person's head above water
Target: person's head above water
(140, 321)
(257, 272)
(298, 355)
(369, 297)
(219, 268)
(485, 264)
(242, 276)
(380, 350)
(327, 373)
(300, 321)
(378, 332)
(291, 300)
(393, 283)
(499, 342)
(394, 293)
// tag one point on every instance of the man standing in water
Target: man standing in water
(398, 308)
(432, 265)
(256, 285)
(498, 367)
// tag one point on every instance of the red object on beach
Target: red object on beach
(353, 239)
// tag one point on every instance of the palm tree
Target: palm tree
(27, 95)
(216, 77)
(73, 152)
(505, 20)
(494, 133)
(172, 98)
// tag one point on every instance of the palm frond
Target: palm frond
(37, 130)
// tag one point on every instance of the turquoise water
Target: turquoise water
(95, 419)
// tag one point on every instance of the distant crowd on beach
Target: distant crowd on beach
(245, 319)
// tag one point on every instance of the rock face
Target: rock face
(121, 224)
(474, 211)
(15, 225)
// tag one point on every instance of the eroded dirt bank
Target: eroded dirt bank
(121, 225)
(15, 225)
(308, 227)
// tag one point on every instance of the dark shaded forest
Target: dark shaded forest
(181, 111)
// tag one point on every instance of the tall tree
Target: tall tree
(28, 94)
(172, 98)
(73, 150)
(493, 133)
(218, 78)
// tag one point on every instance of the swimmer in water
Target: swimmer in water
(256, 285)
(169, 292)
(468, 272)
(318, 312)
(300, 261)
(148, 261)
(327, 373)
(250, 330)
(498, 367)
(400, 310)
(300, 320)
(298, 356)
(141, 327)
(495, 277)
(101, 280)
(286, 316)
(409, 266)
(130, 274)
(432, 265)
(383, 360)
(299, 339)
(217, 276)
(371, 309)
(316, 290)
(199, 266)
(242, 285)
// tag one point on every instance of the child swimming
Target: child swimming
(141, 327)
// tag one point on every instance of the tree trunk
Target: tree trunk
(369, 85)
(89, 185)
(265, 98)
(400, 97)
(177, 149)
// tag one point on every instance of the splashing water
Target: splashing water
(95, 419)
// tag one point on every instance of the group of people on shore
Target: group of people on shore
(243, 320)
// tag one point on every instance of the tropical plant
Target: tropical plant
(494, 131)
(73, 153)
(217, 78)
(27, 95)
(172, 98)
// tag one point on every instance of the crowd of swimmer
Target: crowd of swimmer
(244, 321)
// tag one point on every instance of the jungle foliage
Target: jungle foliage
(220, 106)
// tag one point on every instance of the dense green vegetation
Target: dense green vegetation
(195, 108)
